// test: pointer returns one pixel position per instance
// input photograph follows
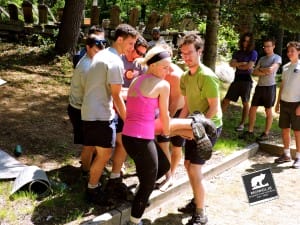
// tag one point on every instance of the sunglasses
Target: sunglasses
(101, 43)
(139, 53)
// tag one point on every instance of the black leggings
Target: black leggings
(151, 164)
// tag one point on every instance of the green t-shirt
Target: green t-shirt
(198, 88)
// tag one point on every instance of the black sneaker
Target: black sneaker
(247, 136)
(198, 219)
(97, 196)
(282, 159)
(131, 223)
(262, 137)
(188, 208)
(115, 188)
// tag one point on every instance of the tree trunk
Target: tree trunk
(211, 37)
(70, 27)
(279, 41)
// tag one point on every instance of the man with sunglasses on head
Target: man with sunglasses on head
(93, 45)
(132, 67)
(99, 31)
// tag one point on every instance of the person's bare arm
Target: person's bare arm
(185, 111)
(245, 65)
(175, 96)
(213, 107)
(163, 107)
(258, 71)
(118, 100)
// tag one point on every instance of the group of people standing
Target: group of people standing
(133, 99)
(288, 101)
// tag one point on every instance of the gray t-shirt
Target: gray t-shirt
(106, 69)
(78, 82)
(264, 62)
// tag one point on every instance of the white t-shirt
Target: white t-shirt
(291, 87)
(78, 82)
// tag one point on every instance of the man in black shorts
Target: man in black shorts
(265, 91)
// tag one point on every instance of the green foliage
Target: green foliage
(227, 40)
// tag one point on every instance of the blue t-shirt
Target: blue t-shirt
(243, 56)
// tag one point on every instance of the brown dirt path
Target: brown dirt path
(227, 202)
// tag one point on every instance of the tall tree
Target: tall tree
(211, 36)
(70, 27)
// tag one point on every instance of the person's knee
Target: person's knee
(186, 164)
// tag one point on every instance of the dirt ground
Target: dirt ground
(227, 202)
(33, 114)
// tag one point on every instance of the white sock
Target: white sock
(92, 186)
(135, 220)
(114, 175)
(298, 155)
(287, 152)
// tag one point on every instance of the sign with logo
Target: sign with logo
(260, 186)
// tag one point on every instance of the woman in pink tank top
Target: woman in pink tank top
(147, 94)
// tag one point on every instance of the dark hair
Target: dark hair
(141, 41)
(251, 44)
(269, 39)
(93, 40)
(125, 30)
(194, 39)
(95, 28)
(294, 44)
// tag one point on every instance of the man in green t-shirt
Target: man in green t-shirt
(200, 87)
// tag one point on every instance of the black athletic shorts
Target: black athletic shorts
(264, 96)
(99, 133)
(119, 123)
(239, 89)
(288, 117)
(75, 118)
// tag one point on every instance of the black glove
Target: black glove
(203, 143)
(210, 127)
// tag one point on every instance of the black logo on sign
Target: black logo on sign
(260, 186)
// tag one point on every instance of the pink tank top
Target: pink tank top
(140, 113)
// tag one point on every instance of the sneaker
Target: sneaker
(210, 127)
(282, 159)
(262, 137)
(246, 135)
(132, 223)
(240, 128)
(296, 163)
(165, 185)
(115, 188)
(97, 196)
(188, 208)
(198, 219)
